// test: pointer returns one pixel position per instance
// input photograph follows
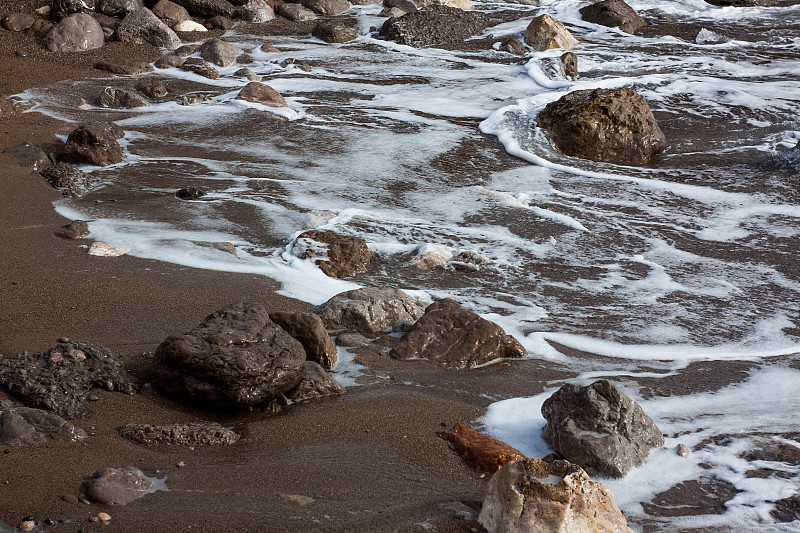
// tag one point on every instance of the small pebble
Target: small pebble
(70, 498)
(21, 53)
(63, 339)
(27, 525)
(93, 519)
(93, 397)
(105, 517)
(180, 464)
(85, 501)
(682, 450)
(50, 522)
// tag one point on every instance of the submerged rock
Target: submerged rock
(434, 25)
(315, 384)
(309, 330)
(201, 67)
(71, 180)
(544, 33)
(22, 426)
(121, 98)
(77, 229)
(116, 486)
(28, 154)
(190, 434)
(338, 256)
(75, 33)
(482, 451)
(94, 144)
(369, 309)
(614, 14)
(599, 428)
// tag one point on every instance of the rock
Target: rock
(190, 193)
(209, 8)
(294, 62)
(315, 384)
(309, 330)
(392, 12)
(612, 125)
(369, 309)
(569, 65)
(365, 2)
(94, 143)
(429, 256)
(545, 33)
(61, 378)
(152, 88)
(338, 256)
(103, 517)
(102, 249)
(405, 5)
(77, 229)
(743, 3)
(261, 93)
(141, 26)
(682, 450)
(786, 509)
(237, 358)
(116, 486)
(599, 428)
(221, 246)
(267, 47)
(326, 7)
(17, 22)
(123, 67)
(171, 11)
(168, 61)
(247, 73)
(297, 500)
(333, 32)
(257, 11)
(534, 496)
(75, 33)
(190, 434)
(479, 450)
(29, 155)
(121, 98)
(189, 25)
(61, 9)
(219, 52)
(219, 22)
(434, 25)
(614, 14)
(295, 12)
(118, 8)
(200, 67)
(459, 4)
(22, 426)
(351, 340)
(187, 50)
(512, 45)
(70, 180)
(450, 335)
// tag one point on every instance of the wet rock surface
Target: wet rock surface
(94, 144)
(61, 379)
(544, 33)
(338, 256)
(64, 8)
(326, 7)
(28, 154)
(261, 93)
(121, 98)
(20, 426)
(333, 32)
(142, 26)
(370, 309)
(170, 11)
(614, 14)
(236, 359)
(71, 180)
(599, 428)
(189, 434)
(480, 450)
(200, 67)
(309, 330)
(295, 12)
(77, 229)
(316, 383)
(454, 337)
(209, 8)
(75, 33)
(116, 486)
(434, 25)
(219, 52)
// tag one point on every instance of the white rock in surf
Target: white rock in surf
(432, 255)
(189, 25)
(102, 249)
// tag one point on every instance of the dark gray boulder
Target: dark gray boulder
(614, 14)
(141, 26)
(22, 426)
(309, 330)
(236, 359)
(333, 32)
(316, 383)
(599, 428)
(209, 8)
(116, 486)
(369, 309)
(121, 98)
(70, 180)
(75, 33)
(434, 25)
(94, 144)
(189, 434)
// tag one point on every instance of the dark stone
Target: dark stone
(40, 29)
(209, 8)
(141, 26)
(247, 73)
(292, 61)
(514, 46)
(315, 384)
(118, 8)
(599, 428)
(450, 335)
(60, 9)
(121, 98)
(77, 229)
(333, 32)
(787, 509)
(370, 309)
(434, 25)
(30, 155)
(75, 33)
(190, 193)
(309, 330)
(200, 67)
(404, 5)
(70, 180)
(168, 61)
(22, 426)
(191, 434)
(187, 49)
(569, 65)
(612, 125)
(326, 7)
(614, 14)
(237, 358)
(218, 22)
(171, 11)
(346, 256)
(116, 486)
(17, 22)
(152, 88)
(94, 143)
(61, 378)
(124, 67)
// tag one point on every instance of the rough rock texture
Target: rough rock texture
(200, 67)
(170, 11)
(152, 88)
(480, 450)
(121, 98)
(237, 358)
(614, 14)
(94, 143)
(189, 26)
(64, 8)
(315, 384)
(450, 335)
(294, 12)
(61, 378)
(404, 5)
(261, 93)
(435, 25)
(21, 426)
(209, 8)
(70, 180)
(77, 229)
(460, 4)
(544, 33)
(17, 21)
(116, 486)
(532, 496)
(569, 65)
(219, 52)
(28, 154)
(369, 309)
(338, 256)
(168, 61)
(599, 428)
(190, 193)
(124, 67)
(326, 7)
(141, 26)
(333, 32)
(512, 45)
(612, 125)
(218, 22)
(248, 74)
(191, 434)
(743, 3)
(256, 11)
(118, 8)
(76, 33)
(309, 331)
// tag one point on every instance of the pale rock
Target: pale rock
(75, 33)
(101, 249)
(432, 255)
(544, 33)
(369, 309)
(459, 4)
(257, 11)
(189, 25)
(682, 450)
(116, 486)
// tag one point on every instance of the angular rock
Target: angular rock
(219, 22)
(599, 428)
(326, 7)
(315, 384)
(141, 26)
(569, 65)
(116, 486)
(545, 33)
(191, 434)
(209, 8)
(405, 5)
(611, 125)
(152, 88)
(392, 12)
(190, 193)
(75, 33)
(29, 155)
(118, 8)
(338, 256)
(365, 2)
(60, 9)
(450, 335)
(17, 22)
(21, 426)
(102, 249)
(168, 61)
(94, 143)
(369, 309)
(237, 358)
(480, 450)
(256, 11)
(200, 67)
(189, 25)
(121, 98)
(261, 93)
(309, 330)
(220, 52)
(170, 11)
(534, 496)
(614, 14)
(351, 340)
(295, 12)
(187, 50)
(333, 32)
(61, 378)
(70, 180)
(124, 67)
(434, 25)
(514, 46)
(459, 4)
(77, 229)
(247, 73)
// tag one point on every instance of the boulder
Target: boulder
(116, 486)
(392, 12)
(295, 12)
(123, 66)
(338, 256)
(512, 45)
(29, 155)
(599, 428)
(200, 67)
(332, 31)
(70, 180)
(121, 98)
(480, 450)
(315, 384)
(256, 11)
(309, 331)
(94, 144)
(369, 309)
(60, 379)
(532, 496)
(326, 7)
(22, 426)
(118, 8)
(209, 8)
(569, 65)
(248, 74)
(171, 11)
(190, 434)
(434, 25)
(352, 340)
(60, 9)
(17, 22)
(237, 358)
(450, 335)
(77, 229)
(611, 125)
(614, 14)
(75, 33)
(188, 26)
(545, 33)
(218, 22)
(168, 61)
(220, 52)
(190, 193)
(152, 88)
(187, 50)
(141, 26)
(261, 93)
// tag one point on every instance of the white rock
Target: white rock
(102, 249)
(432, 255)
(545, 33)
(466, 5)
(189, 25)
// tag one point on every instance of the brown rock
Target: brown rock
(226, 247)
(219, 52)
(171, 11)
(168, 61)
(75, 33)
(326, 7)
(63, 8)
(338, 256)
(434, 25)
(544, 33)
(124, 67)
(258, 11)
(121, 98)
(479, 450)
(315, 384)
(29, 155)
(295, 12)
(369, 309)
(449, 335)
(219, 22)
(209, 8)
(333, 32)
(77, 229)
(309, 330)
(247, 73)
(569, 65)
(152, 88)
(70, 180)
(94, 144)
(21, 426)
(614, 14)
(201, 67)
(266, 47)
(261, 93)
(514, 46)
(190, 434)
(118, 8)
(116, 486)
(141, 26)
(743, 3)
(17, 21)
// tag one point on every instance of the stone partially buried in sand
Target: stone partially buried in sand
(116, 486)
(482, 451)
(370, 309)
(102, 249)
(338, 256)
(261, 93)
(76, 33)
(188, 434)
(614, 14)
(316, 383)
(219, 52)
(20, 426)
(434, 25)
(141, 26)
(94, 144)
